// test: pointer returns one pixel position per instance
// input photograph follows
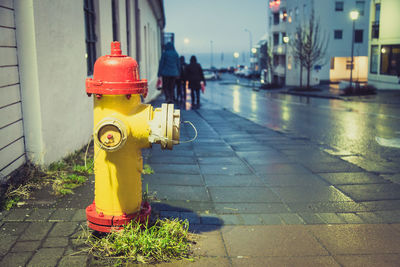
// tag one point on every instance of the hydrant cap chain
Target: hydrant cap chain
(116, 74)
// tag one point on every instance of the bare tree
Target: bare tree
(297, 49)
(309, 46)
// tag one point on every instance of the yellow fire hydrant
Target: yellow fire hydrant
(122, 127)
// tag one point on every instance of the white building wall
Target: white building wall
(389, 34)
(150, 48)
(51, 57)
(12, 151)
(43, 81)
(329, 20)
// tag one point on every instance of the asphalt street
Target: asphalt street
(364, 133)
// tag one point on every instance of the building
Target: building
(335, 26)
(384, 45)
(47, 49)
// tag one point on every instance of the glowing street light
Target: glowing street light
(236, 56)
(254, 50)
(354, 16)
(186, 40)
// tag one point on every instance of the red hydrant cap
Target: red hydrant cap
(116, 74)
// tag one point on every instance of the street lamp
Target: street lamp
(212, 54)
(354, 16)
(236, 56)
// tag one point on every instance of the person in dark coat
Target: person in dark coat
(194, 75)
(168, 69)
(180, 81)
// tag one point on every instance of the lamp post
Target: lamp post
(354, 16)
(251, 42)
(212, 55)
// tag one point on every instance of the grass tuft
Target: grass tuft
(63, 176)
(147, 169)
(165, 240)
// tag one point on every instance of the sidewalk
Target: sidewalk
(256, 196)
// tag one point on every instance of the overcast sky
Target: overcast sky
(221, 21)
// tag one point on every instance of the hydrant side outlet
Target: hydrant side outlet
(122, 127)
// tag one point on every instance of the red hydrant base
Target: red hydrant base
(107, 223)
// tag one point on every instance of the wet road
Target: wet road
(353, 129)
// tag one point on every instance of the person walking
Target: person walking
(180, 81)
(195, 77)
(168, 71)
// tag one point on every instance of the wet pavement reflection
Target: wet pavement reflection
(371, 130)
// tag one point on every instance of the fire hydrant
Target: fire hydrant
(123, 125)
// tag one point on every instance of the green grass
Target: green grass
(165, 240)
(63, 176)
(147, 169)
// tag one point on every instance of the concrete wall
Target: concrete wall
(389, 34)
(45, 113)
(51, 57)
(12, 150)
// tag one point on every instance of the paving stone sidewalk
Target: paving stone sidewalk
(257, 197)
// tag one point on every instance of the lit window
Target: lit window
(332, 63)
(338, 34)
(390, 60)
(339, 5)
(373, 68)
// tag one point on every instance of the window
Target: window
(283, 35)
(358, 36)
(332, 63)
(360, 7)
(390, 59)
(338, 34)
(276, 38)
(90, 34)
(373, 68)
(283, 15)
(377, 12)
(339, 5)
(128, 26)
(276, 18)
(115, 20)
(348, 64)
(375, 23)
(276, 60)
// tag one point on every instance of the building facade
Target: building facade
(47, 49)
(384, 45)
(333, 18)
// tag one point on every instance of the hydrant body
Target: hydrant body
(122, 127)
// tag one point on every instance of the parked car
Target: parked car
(210, 75)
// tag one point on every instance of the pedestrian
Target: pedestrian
(168, 71)
(195, 77)
(180, 81)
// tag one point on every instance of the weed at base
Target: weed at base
(164, 241)
(63, 176)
